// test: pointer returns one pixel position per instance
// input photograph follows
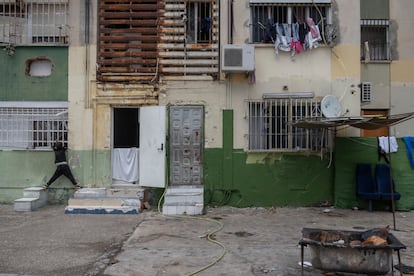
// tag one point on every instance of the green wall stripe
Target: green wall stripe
(228, 148)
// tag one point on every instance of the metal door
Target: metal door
(152, 146)
(186, 136)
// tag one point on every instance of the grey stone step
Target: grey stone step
(109, 192)
(33, 199)
(183, 209)
(190, 195)
(27, 204)
(90, 193)
(108, 201)
(125, 200)
(184, 200)
(125, 192)
(185, 190)
(172, 198)
(106, 210)
(38, 192)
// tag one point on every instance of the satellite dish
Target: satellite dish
(331, 107)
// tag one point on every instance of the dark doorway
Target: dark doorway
(126, 128)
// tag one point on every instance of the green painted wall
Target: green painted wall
(16, 85)
(22, 169)
(267, 179)
(234, 177)
(350, 151)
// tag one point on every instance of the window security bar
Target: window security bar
(270, 128)
(32, 128)
(34, 22)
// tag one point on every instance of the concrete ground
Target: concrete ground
(248, 241)
(47, 242)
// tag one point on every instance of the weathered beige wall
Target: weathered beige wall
(212, 95)
(324, 71)
(402, 68)
(241, 23)
(102, 126)
(346, 60)
(82, 60)
(401, 13)
(310, 72)
(379, 75)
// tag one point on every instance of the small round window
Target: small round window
(39, 67)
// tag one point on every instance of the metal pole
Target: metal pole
(391, 181)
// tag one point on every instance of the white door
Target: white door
(152, 146)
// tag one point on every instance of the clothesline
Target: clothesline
(370, 123)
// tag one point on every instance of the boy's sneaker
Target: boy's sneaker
(77, 187)
(45, 187)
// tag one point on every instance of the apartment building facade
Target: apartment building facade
(204, 93)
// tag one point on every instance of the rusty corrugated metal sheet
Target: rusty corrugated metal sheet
(128, 38)
(146, 40)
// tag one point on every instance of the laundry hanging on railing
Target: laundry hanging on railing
(313, 36)
(293, 38)
(388, 144)
(296, 45)
(283, 38)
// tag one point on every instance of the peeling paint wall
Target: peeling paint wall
(345, 58)
(274, 180)
(211, 95)
(401, 69)
(17, 85)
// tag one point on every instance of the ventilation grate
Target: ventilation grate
(366, 89)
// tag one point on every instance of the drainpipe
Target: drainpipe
(87, 52)
(228, 132)
(87, 100)
(230, 41)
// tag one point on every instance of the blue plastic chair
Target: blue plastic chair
(383, 178)
(366, 187)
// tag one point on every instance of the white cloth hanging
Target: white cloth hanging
(125, 164)
(388, 145)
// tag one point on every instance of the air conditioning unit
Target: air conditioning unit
(366, 91)
(237, 58)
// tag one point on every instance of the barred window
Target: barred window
(265, 14)
(374, 40)
(199, 22)
(270, 128)
(34, 22)
(32, 127)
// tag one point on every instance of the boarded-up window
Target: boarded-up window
(128, 37)
(146, 41)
